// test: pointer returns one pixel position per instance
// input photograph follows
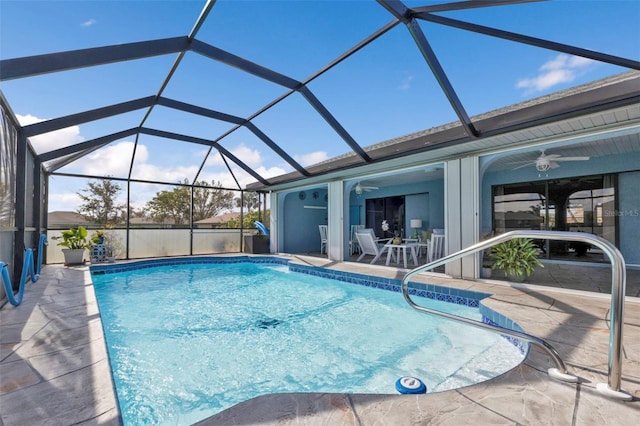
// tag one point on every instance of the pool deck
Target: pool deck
(54, 367)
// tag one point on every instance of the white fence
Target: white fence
(144, 243)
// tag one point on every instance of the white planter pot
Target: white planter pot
(73, 256)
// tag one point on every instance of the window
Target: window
(571, 204)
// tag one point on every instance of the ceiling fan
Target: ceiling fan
(548, 161)
(359, 189)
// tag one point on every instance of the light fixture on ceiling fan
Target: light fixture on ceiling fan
(548, 161)
(359, 189)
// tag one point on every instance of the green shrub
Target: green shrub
(517, 257)
(74, 238)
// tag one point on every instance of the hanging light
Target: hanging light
(358, 189)
(543, 164)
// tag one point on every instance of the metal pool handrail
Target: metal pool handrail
(618, 285)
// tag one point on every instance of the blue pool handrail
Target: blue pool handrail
(260, 226)
(27, 266)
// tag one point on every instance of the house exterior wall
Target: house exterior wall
(299, 225)
(629, 216)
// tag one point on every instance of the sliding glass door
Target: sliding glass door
(573, 204)
(390, 209)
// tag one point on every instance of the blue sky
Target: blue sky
(384, 91)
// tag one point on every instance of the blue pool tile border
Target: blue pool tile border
(112, 268)
(523, 346)
(428, 291)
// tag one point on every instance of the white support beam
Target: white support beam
(461, 214)
(275, 233)
(452, 215)
(469, 214)
(335, 245)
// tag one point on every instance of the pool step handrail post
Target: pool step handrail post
(618, 284)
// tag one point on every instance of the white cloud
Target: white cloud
(243, 177)
(405, 84)
(64, 201)
(250, 157)
(113, 160)
(28, 119)
(89, 22)
(52, 140)
(311, 158)
(561, 69)
(270, 172)
(146, 171)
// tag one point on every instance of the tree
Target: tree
(207, 202)
(248, 219)
(99, 202)
(137, 213)
(251, 201)
(172, 204)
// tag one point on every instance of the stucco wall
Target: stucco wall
(301, 234)
(629, 216)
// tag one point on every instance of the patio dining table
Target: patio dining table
(402, 248)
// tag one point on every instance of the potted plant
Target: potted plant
(98, 246)
(110, 253)
(517, 258)
(76, 241)
(105, 246)
(98, 237)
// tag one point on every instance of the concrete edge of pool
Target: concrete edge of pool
(54, 366)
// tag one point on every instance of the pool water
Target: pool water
(187, 341)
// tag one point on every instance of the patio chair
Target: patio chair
(323, 237)
(370, 245)
(354, 247)
(436, 247)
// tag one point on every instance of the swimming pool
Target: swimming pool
(188, 340)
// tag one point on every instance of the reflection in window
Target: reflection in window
(571, 204)
(518, 210)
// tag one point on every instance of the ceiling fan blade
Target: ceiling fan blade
(572, 159)
(551, 157)
(553, 165)
(528, 163)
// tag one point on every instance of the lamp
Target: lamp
(415, 224)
